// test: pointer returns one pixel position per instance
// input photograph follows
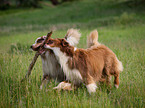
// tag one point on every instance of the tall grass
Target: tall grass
(124, 43)
(120, 28)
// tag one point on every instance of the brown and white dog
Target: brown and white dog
(51, 66)
(86, 66)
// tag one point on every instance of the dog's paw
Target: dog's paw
(116, 86)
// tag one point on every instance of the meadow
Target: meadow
(121, 27)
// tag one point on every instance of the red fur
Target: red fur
(97, 63)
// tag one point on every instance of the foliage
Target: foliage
(56, 2)
(4, 4)
(28, 3)
(120, 27)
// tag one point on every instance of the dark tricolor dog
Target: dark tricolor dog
(51, 66)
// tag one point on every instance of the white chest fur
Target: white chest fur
(71, 74)
(47, 66)
(51, 66)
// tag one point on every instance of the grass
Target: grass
(120, 27)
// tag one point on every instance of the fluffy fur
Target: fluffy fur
(87, 66)
(73, 36)
(64, 85)
(51, 66)
(92, 39)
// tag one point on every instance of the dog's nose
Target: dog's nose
(30, 46)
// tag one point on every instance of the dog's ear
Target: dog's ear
(64, 43)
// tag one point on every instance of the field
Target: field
(121, 27)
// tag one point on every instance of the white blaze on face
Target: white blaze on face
(37, 40)
(43, 37)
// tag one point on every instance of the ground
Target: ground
(121, 27)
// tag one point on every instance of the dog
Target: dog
(86, 66)
(51, 66)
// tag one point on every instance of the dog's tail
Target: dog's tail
(119, 66)
(92, 39)
(73, 36)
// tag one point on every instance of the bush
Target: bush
(124, 18)
(56, 2)
(28, 3)
(4, 4)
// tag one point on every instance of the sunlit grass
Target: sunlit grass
(121, 28)
(130, 93)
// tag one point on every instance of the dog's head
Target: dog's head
(39, 41)
(59, 43)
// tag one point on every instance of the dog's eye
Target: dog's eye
(40, 41)
(50, 42)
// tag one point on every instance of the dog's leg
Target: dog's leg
(108, 79)
(103, 78)
(107, 75)
(64, 85)
(90, 84)
(60, 86)
(68, 86)
(44, 81)
(116, 80)
(91, 87)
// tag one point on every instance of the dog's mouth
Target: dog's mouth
(41, 51)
